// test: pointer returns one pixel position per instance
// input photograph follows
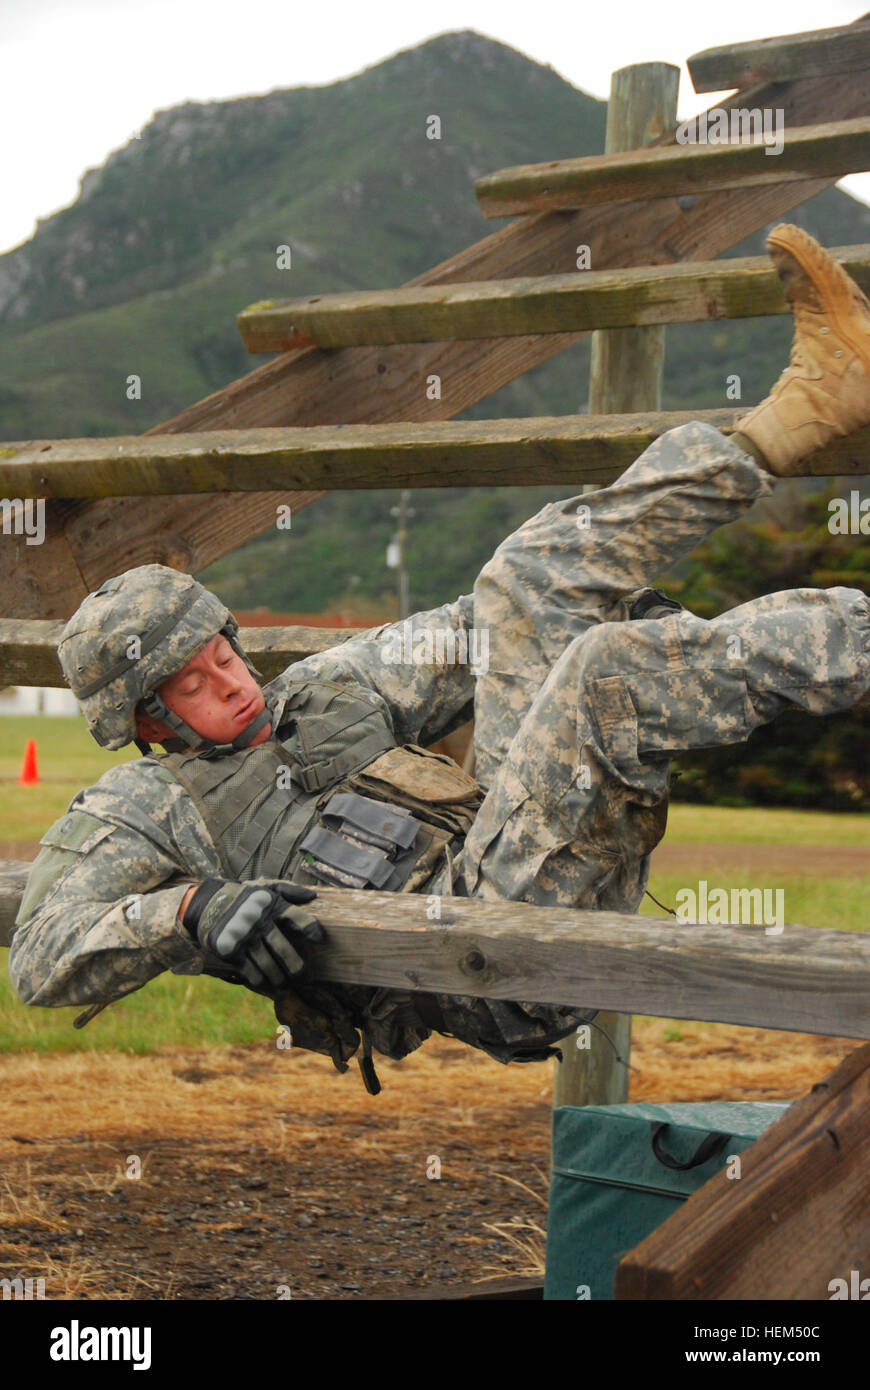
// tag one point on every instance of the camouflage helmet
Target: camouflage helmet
(128, 637)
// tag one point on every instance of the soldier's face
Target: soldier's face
(215, 694)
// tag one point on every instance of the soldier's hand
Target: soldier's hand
(261, 929)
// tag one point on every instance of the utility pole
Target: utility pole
(396, 551)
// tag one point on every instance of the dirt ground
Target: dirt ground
(265, 1174)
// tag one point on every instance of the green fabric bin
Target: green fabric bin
(615, 1178)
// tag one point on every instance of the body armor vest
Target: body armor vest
(330, 798)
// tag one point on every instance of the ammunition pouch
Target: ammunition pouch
(363, 844)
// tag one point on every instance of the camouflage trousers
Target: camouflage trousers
(580, 711)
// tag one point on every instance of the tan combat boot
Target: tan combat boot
(825, 390)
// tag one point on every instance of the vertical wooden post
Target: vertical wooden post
(627, 363)
(626, 374)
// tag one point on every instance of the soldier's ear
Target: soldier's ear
(151, 730)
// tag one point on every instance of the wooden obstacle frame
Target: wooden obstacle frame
(652, 215)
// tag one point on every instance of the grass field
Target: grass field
(176, 1010)
(68, 760)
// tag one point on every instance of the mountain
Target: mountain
(178, 231)
(145, 272)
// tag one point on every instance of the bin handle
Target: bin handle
(709, 1146)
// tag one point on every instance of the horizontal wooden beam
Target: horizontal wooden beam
(558, 450)
(740, 287)
(805, 979)
(377, 384)
(789, 1224)
(704, 164)
(817, 53)
(28, 648)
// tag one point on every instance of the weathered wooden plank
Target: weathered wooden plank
(539, 449)
(795, 1220)
(808, 980)
(562, 450)
(838, 147)
(816, 53)
(28, 648)
(311, 387)
(743, 287)
(627, 364)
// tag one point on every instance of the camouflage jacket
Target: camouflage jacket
(109, 920)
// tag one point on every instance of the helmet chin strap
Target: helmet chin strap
(188, 737)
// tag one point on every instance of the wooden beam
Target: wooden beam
(793, 1221)
(626, 367)
(838, 147)
(28, 648)
(806, 979)
(817, 53)
(561, 450)
(309, 387)
(741, 287)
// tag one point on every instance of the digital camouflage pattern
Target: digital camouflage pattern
(575, 694)
(169, 615)
(576, 718)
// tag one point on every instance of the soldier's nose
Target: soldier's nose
(227, 683)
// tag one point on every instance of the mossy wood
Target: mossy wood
(28, 648)
(837, 147)
(744, 287)
(817, 53)
(626, 367)
(558, 450)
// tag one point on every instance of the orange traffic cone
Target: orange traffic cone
(29, 775)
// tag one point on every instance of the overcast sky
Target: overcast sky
(79, 77)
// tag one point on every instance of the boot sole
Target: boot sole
(830, 281)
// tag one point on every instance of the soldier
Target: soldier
(207, 857)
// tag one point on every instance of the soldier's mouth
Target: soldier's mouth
(248, 709)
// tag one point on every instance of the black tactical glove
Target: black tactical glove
(320, 1019)
(654, 603)
(325, 1018)
(260, 929)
